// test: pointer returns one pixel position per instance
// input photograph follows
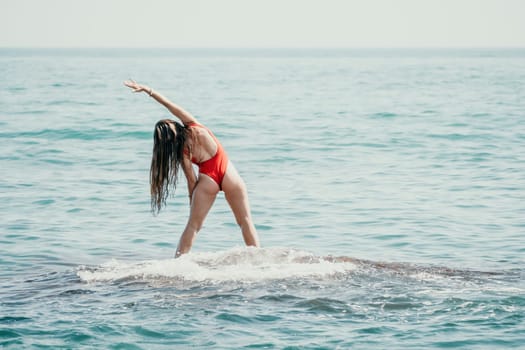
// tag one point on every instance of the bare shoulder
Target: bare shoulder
(187, 119)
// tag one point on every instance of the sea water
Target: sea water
(387, 187)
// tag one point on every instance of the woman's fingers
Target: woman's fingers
(133, 85)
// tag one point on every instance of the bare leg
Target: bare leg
(237, 197)
(203, 197)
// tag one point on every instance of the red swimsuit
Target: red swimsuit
(216, 166)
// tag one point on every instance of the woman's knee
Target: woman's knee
(194, 227)
(243, 220)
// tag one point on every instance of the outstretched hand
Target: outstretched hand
(136, 87)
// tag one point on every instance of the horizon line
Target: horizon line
(466, 47)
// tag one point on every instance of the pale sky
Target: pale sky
(262, 23)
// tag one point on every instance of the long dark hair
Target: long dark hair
(169, 140)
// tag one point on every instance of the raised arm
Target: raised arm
(184, 116)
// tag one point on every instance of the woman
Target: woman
(177, 145)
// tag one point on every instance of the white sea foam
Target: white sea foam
(238, 264)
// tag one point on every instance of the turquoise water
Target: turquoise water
(409, 163)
